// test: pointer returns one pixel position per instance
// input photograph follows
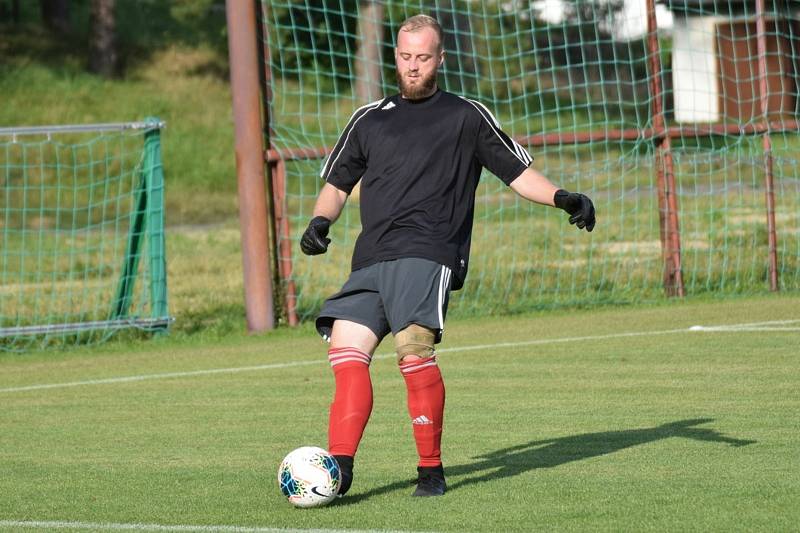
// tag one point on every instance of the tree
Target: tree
(589, 64)
(368, 56)
(460, 72)
(317, 36)
(55, 14)
(102, 38)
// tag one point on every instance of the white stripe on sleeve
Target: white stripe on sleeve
(515, 148)
(341, 143)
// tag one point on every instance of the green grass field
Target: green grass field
(617, 419)
(613, 418)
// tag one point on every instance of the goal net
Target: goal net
(700, 112)
(81, 233)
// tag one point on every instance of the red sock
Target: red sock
(426, 407)
(352, 402)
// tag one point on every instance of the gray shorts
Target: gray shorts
(389, 296)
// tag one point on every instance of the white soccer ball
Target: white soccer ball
(309, 477)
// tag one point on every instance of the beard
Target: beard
(424, 86)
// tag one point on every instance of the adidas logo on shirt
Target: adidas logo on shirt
(388, 106)
(422, 420)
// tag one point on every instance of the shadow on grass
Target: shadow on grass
(550, 453)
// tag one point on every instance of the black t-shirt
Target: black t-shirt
(419, 162)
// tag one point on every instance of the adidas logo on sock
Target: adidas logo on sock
(421, 420)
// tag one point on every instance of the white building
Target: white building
(715, 72)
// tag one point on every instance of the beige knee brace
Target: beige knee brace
(414, 340)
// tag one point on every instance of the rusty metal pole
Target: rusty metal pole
(265, 75)
(667, 197)
(249, 143)
(657, 135)
(285, 247)
(763, 87)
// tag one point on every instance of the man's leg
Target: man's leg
(426, 396)
(415, 294)
(350, 353)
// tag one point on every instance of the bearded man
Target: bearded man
(418, 155)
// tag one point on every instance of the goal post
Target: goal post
(147, 219)
(82, 249)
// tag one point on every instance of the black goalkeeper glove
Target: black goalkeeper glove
(314, 241)
(579, 206)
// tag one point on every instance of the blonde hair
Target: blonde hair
(417, 22)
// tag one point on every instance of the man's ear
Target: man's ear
(441, 58)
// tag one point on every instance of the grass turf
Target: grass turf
(654, 431)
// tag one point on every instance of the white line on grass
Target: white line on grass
(32, 524)
(145, 377)
(737, 330)
(772, 325)
(753, 326)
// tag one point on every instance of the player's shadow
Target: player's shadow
(549, 453)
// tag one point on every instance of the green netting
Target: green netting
(81, 233)
(552, 79)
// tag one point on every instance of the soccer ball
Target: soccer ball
(309, 477)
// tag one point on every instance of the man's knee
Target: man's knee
(414, 342)
(355, 335)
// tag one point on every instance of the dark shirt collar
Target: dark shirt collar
(423, 102)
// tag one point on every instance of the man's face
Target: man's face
(417, 59)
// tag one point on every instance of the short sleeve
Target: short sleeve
(497, 151)
(346, 164)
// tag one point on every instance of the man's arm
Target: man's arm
(533, 186)
(330, 203)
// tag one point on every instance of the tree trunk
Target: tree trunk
(460, 72)
(369, 86)
(102, 38)
(55, 14)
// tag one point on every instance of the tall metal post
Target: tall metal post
(284, 235)
(265, 76)
(667, 197)
(249, 145)
(763, 87)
